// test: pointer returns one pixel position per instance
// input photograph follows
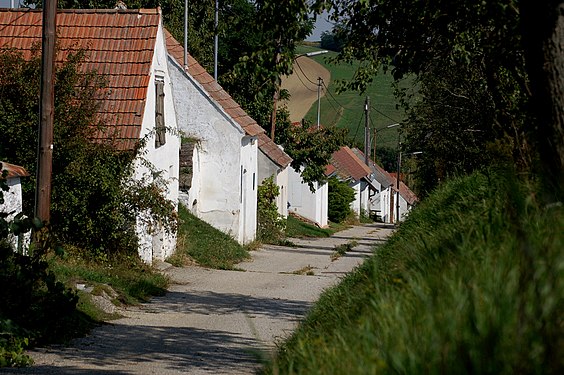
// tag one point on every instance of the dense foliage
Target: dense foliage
(309, 147)
(341, 195)
(270, 224)
(474, 101)
(93, 204)
(471, 283)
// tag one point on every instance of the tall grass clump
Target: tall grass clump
(204, 244)
(472, 282)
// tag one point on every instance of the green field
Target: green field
(347, 109)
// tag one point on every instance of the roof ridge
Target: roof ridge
(147, 11)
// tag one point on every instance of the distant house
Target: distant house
(13, 197)
(128, 47)
(302, 201)
(349, 168)
(227, 154)
(407, 199)
(380, 201)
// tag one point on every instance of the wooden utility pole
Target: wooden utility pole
(366, 130)
(46, 113)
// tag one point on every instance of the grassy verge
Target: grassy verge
(209, 247)
(298, 229)
(472, 282)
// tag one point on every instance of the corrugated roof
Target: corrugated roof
(120, 45)
(13, 170)
(383, 177)
(348, 165)
(230, 106)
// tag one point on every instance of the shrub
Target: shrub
(271, 225)
(340, 199)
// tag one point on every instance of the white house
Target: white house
(349, 168)
(407, 199)
(128, 47)
(381, 193)
(230, 155)
(311, 205)
(13, 197)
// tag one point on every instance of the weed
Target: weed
(342, 249)
(307, 270)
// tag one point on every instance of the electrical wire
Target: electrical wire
(358, 127)
(305, 75)
(303, 83)
(385, 115)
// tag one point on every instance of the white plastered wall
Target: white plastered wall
(13, 205)
(267, 168)
(302, 201)
(154, 242)
(215, 195)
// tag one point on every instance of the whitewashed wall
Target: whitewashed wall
(13, 204)
(249, 184)
(154, 243)
(215, 195)
(302, 201)
(267, 168)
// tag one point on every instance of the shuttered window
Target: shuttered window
(160, 129)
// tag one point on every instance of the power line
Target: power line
(305, 75)
(303, 83)
(358, 126)
(385, 115)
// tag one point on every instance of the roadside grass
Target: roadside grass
(298, 229)
(204, 244)
(471, 282)
(346, 109)
(132, 280)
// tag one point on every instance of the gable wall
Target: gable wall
(158, 245)
(215, 195)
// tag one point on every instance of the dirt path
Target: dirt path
(213, 321)
(302, 86)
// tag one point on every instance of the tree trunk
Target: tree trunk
(543, 42)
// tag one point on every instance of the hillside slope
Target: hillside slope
(302, 86)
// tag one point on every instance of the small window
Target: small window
(160, 129)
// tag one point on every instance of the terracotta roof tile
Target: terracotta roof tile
(348, 165)
(13, 170)
(120, 44)
(380, 174)
(230, 106)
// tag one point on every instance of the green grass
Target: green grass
(298, 229)
(206, 245)
(133, 280)
(472, 282)
(345, 110)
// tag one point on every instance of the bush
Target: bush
(271, 225)
(340, 198)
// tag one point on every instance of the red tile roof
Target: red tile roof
(230, 106)
(380, 174)
(13, 170)
(348, 165)
(120, 44)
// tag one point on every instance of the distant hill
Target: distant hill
(346, 109)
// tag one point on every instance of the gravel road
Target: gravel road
(214, 321)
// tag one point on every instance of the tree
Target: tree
(340, 197)
(93, 205)
(331, 42)
(309, 147)
(446, 43)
